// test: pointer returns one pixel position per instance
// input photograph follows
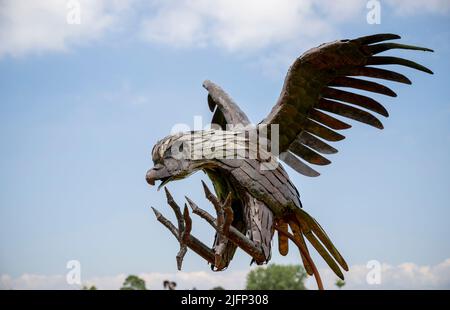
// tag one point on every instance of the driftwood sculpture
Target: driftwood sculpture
(253, 199)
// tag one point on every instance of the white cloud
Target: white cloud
(277, 31)
(402, 276)
(39, 26)
(245, 25)
(412, 7)
(33, 282)
(153, 280)
(234, 25)
(287, 27)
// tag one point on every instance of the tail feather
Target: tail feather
(302, 224)
(283, 241)
(296, 231)
(322, 235)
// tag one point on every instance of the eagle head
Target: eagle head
(172, 160)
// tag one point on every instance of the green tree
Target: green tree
(89, 288)
(277, 277)
(133, 282)
(339, 283)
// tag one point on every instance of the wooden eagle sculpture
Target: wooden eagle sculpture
(252, 201)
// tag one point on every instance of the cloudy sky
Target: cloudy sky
(81, 106)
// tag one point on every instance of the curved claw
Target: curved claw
(184, 237)
(224, 220)
(222, 225)
(183, 233)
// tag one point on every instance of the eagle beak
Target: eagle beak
(150, 177)
(157, 173)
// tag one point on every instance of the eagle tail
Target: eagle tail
(304, 225)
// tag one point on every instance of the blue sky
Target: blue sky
(82, 105)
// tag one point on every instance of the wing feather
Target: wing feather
(345, 81)
(226, 111)
(313, 89)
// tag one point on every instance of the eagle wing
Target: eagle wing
(225, 110)
(312, 91)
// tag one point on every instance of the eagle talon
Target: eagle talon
(223, 210)
(224, 228)
(184, 227)
(224, 220)
(183, 233)
(184, 236)
(222, 225)
(225, 231)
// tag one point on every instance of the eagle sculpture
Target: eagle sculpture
(254, 196)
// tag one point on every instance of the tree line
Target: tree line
(272, 277)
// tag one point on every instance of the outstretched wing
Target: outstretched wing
(225, 109)
(312, 91)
